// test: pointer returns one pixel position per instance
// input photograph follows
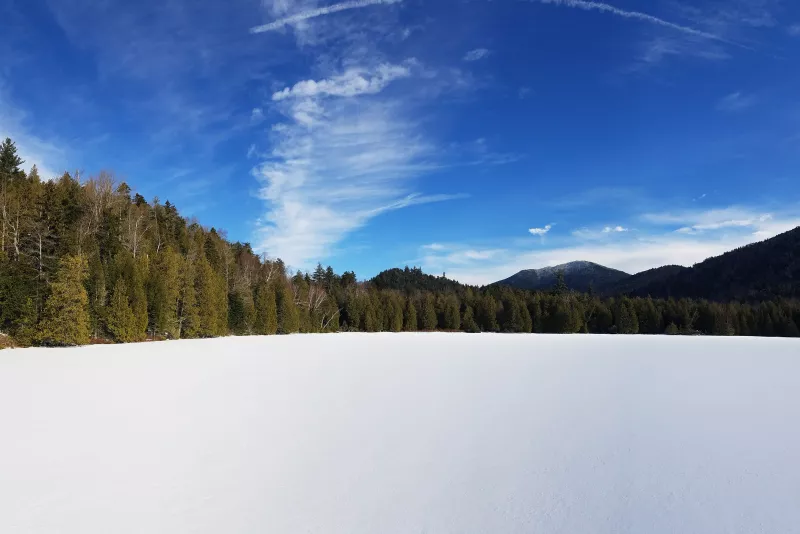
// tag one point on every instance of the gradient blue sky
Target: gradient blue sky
(475, 138)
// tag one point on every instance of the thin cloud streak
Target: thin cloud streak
(607, 8)
(319, 12)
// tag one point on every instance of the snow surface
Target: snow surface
(403, 433)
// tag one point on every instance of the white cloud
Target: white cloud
(336, 163)
(313, 13)
(354, 82)
(541, 231)
(257, 115)
(606, 8)
(736, 102)
(794, 30)
(710, 220)
(50, 158)
(477, 54)
(718, 231)
(587, 234)
(433, 246)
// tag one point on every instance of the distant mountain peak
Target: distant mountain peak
(578, 275)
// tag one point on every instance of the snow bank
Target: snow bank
(387, 433)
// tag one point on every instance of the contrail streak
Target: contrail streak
(606, 8)
(335, 8)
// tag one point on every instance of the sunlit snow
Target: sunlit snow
(403, 433)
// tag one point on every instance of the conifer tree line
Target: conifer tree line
(91, 261)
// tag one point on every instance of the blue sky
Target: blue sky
(475, 138)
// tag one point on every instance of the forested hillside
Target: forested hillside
(89, 260)
(765, 270)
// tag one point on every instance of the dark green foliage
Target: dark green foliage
(266, 311)
(120, 321)
(66, 314)
(756, 272)
(486, 312)
(288, 316)
(625, 318)
(452, 315)
(410, 316)
(413, 279)
(468, 323)
(428, 315)
(671, 330)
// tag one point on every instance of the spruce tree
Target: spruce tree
(266, 318)
(188, 310)
(468, 323)
(288, 318)
(428, 313)
(10, 162)
(396, 322)
(121, 322)
(487, 314)
(452, 315)
(410, 316)
(66, 314)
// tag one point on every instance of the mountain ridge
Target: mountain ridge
(579, 275)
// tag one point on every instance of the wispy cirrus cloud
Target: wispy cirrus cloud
(737, 101)
(477, 54)
(318, 12)
(49, 156)
(596, 234)
(343, 155)
(353, 82)
(794, 30)
(757, 223)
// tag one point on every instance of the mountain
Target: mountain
(578, 275)
(637, 282)
(759, 271)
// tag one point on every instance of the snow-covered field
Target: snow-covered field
(403, 433)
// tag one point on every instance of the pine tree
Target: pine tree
(626, 320)
(487, 314)
(396, 322)
(66, 314)
(188, 309)
(10, 162)
(266, 318)
(468, 323)
(452, 316)
(410, 316)
(163, 296)
(319, 274)
(138, 298)
(371, 322)
(428, 313)
(354, 310)
(288, 318)
(211, 301)
(671, 330)
(121, 322)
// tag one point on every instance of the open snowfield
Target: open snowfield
(403, 433)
